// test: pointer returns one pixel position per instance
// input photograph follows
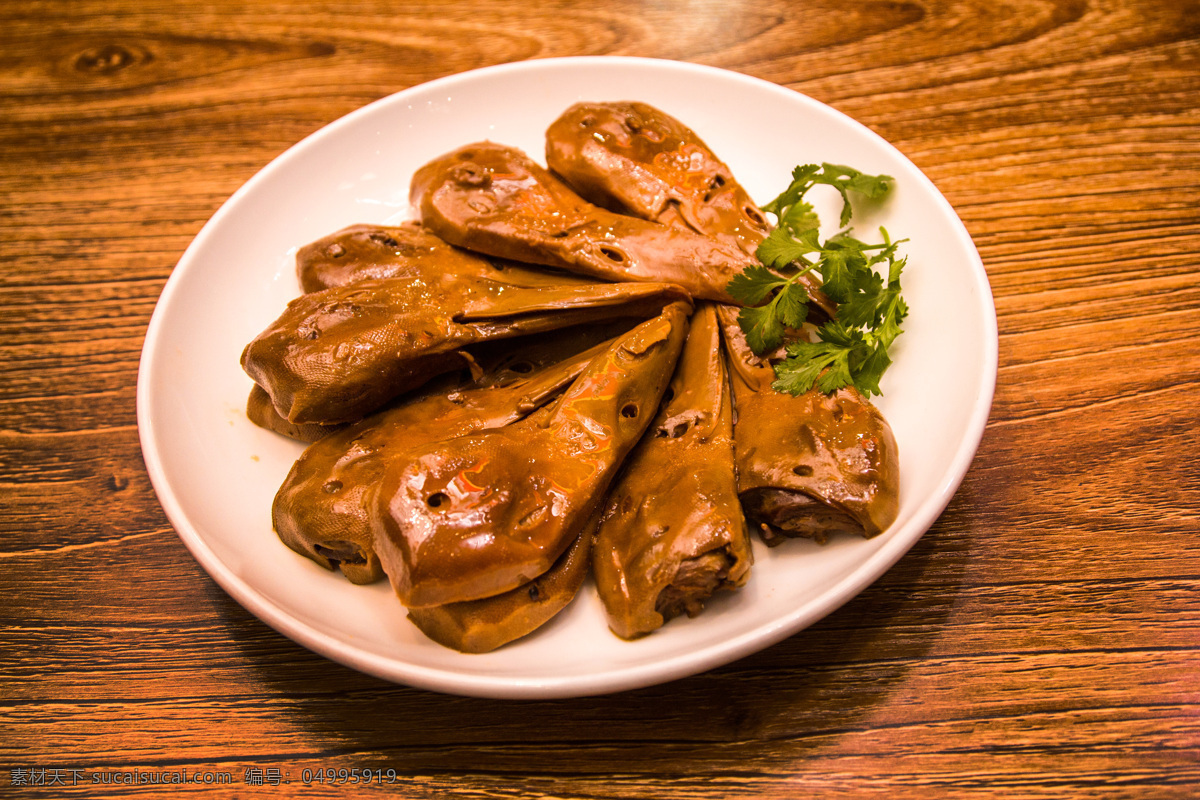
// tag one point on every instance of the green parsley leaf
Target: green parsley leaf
(799, 218)
(791, 305)
(801, 181)
(766, 325)
(798, 375)
(762, 326)
(866, 379)
(839, 267)
(894, 310)
(779, 250)
(753, 284)
(844, 179)
(826, 364)
(848, 179)
(861, 308)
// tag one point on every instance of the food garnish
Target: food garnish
(851, 348)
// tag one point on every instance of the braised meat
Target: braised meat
(808, 465)
(636, 159)
(480, 626)
(544, 378)
(338, 354)
(696, 580)
(633, 158)
(496, 200)
(811, 464)
(673, 531)
(482, 514)
(321, 511)
(366, 252)
(262, 413)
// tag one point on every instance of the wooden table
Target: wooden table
(1042, 640)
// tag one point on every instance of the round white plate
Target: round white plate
(216, 473)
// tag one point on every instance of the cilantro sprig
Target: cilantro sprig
(851, 348)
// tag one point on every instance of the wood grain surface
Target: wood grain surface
(1042, 640)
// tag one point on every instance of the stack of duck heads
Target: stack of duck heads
(543, 378)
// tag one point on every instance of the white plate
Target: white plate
(216, 473)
